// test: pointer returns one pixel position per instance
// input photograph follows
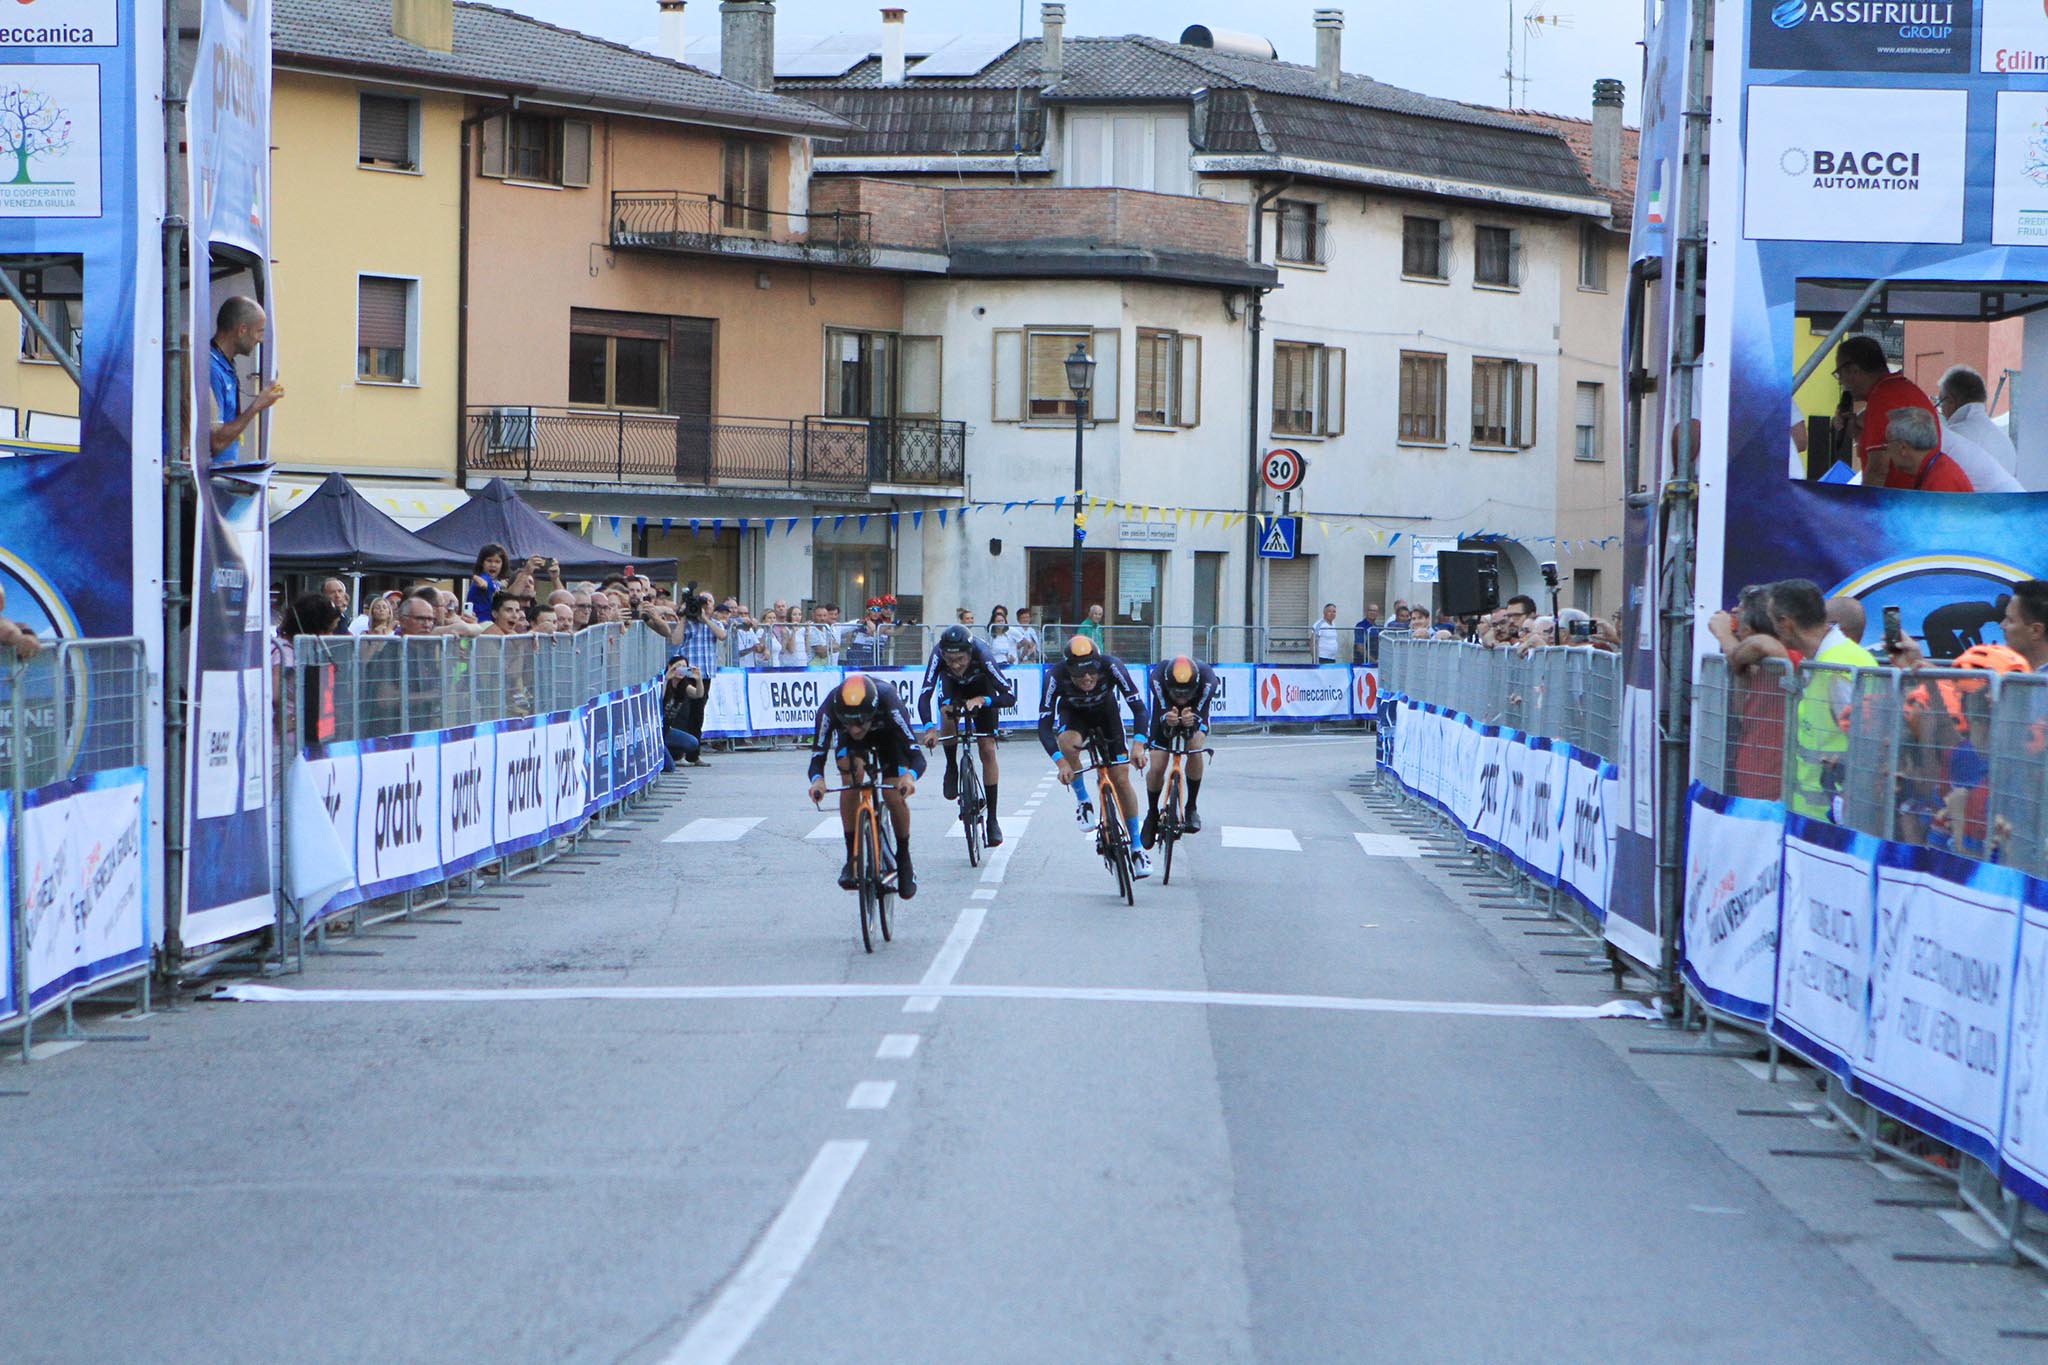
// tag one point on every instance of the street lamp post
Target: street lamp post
(1081, 379)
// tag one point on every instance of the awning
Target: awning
(411, 505)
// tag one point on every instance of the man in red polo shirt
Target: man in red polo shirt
(1861, 370)
(1911, 457)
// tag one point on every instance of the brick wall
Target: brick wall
(911, 216)
(1108, 217)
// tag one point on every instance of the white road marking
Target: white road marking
(1970, 1228)
(711, 829)
(999, 861)
(828, 828)
(921, 1004)
(1387, 845)
(1294, 744)
(871, 1095)
(1247, 836)
(752, 1293)
(898, 1047)
(1103, 995)
(954, 950)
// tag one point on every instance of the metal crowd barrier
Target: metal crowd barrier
(1570, 693)
(1955, 759)
(74, 754)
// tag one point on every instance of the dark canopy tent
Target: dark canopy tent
(337, 531)
(495, 515)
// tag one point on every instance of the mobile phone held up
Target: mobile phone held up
(1893, 635)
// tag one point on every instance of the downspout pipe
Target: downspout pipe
(1257, 325)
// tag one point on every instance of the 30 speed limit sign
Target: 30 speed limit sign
(1283, 470)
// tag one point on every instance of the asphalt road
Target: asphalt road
(658, 1105)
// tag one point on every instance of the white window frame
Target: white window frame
(1519, 421)
(1593, 247)
(414, 119)
(1319, 221)
(1593, 451)
(1514, 280)
(1443, 400)
(1327, 370)
(412, 330)
(1183, 380)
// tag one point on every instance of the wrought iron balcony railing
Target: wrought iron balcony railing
(586, 445)
(677, 220)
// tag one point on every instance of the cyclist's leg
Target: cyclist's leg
(849, 806)
(949, 745)
(1197, 764)
(899, 821)
(1117, 750)
(1069, 743)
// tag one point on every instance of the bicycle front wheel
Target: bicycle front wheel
(971, 811)
(870, 885)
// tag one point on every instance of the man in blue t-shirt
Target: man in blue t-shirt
(238, 331)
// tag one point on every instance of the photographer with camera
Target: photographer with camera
(701, 632)
(683, 691)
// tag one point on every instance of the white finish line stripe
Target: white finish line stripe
(751, 1294)
(713, 830)
(1100, 995)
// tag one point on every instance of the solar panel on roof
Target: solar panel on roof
(824, 57)
(965, 56)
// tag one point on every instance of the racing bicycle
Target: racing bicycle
(872, 859)
(972, 798)
(1174, 792)
(1112, 830)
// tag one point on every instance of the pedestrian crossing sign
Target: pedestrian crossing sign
(1281, 538)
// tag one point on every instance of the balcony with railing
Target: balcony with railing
(698, 224)
(655, 450)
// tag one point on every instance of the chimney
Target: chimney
(1330, 49)
(671, 41)
(892, 47)
(1052, 58)
(1607, 133)
(424, 23)
(747, 43)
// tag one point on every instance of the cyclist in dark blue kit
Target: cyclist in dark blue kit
(1080, 702)
(963, 672)
(864, 723)
(1182, 693)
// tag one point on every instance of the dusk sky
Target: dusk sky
(1456, 49)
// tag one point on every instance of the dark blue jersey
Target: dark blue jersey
(983, 677)
(1200, 699)
(1063, 706)
(889, 743)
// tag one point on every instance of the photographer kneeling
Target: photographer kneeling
(682, 712)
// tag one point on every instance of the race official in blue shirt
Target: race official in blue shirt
(238, 332)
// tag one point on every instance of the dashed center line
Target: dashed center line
(897, 1047)
(1248, 836)
(711, 829)
(871, 1095)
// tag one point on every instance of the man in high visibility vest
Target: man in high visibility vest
(1820, 722)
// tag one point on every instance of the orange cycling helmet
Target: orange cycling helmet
(1182, 676)
(1992, 658)
(856, 700)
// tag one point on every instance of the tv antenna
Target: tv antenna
(1533, 19)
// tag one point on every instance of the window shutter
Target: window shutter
(1188, 412)
(921, 377)
(1515, 257)
(601, 322)
(1525, 406)
(1333, 391)
(381, 312)
(1006, 387)
(575, 152)
(1587, 406)
(1103, 408)
(1321, 218)
(384, 131)
(1045, 378)
(758, 198)
(1443, 248)
(493, 135)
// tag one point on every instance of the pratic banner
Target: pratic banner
(1734, 868)
(84, 881)
(398, 814)
(519, 819)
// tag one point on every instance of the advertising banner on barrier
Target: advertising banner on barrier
(567, 803)
(725, 707)
(85, 895)
(1547, 773)
(332, 777)
(10, 1002)
(519, 815)
(1947, 932)
(1824, 934)
(469, 772)
(1305, 692)
(398, 814)
(1489, 808)
(2023, 1138)
(597, 750)
(1516, 762)
(1587, 869)
(1234, 688)
(785, 701)
(1734, 864)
